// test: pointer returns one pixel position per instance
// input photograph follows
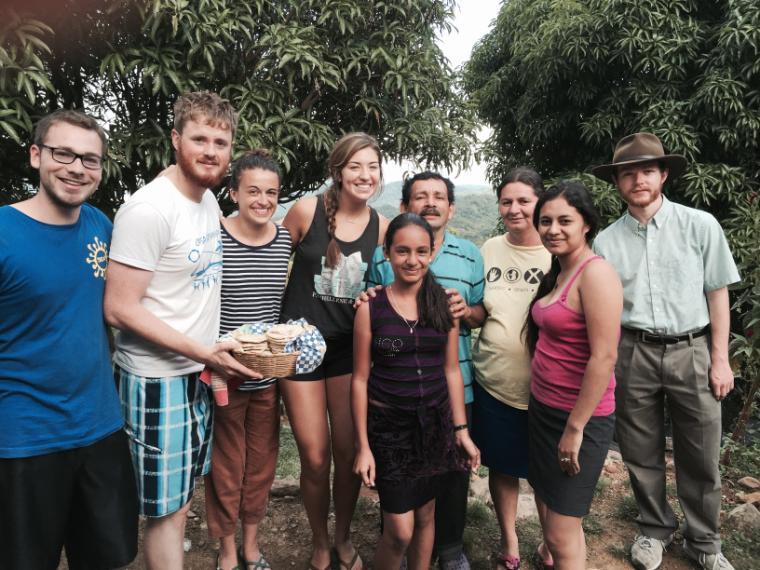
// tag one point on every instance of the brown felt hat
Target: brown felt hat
(640, 147)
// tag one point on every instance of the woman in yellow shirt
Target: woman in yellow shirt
(514, 264)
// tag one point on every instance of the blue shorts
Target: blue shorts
(169, 423)
(501, 433)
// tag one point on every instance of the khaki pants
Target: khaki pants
(243, 460)
(650, 376)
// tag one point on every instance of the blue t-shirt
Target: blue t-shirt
(458, 265)
(57, 389)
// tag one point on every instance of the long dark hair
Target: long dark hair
(432, 303)
(579, 198)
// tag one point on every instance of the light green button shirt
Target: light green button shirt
(667, 267)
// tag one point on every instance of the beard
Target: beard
(645, 199)
(193, 172)
(63, 200)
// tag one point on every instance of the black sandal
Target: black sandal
(348, 565)
(260, 564)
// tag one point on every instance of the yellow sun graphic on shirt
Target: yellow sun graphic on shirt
(98, 258)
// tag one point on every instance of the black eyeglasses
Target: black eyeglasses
(89, 161)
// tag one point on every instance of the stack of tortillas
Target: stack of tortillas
(252, 343)
(280, 335)
(264, 352)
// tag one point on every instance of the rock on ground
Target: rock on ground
(285, 487)
(745, 516)
(749, 483)
(753, 498)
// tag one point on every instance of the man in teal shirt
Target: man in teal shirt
(458, 268)
(675, 266)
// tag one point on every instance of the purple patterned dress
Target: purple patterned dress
(409, 423)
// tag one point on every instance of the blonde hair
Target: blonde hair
(206, 107)
(348, 145)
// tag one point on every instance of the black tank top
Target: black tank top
(322, 295)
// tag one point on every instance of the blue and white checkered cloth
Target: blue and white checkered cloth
(311, 344)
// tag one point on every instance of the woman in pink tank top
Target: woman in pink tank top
(572, 333)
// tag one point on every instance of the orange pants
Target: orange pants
(243, 460)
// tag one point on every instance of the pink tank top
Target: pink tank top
(561, 355)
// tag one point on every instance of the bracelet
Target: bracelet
(460, 427)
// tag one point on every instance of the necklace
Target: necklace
(392, 300)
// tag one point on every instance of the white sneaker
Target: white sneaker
(707, 561)
(646, 552)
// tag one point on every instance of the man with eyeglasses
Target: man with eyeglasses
(66, 478)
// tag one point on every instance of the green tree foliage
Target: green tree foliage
(560, 81)
(300, 72)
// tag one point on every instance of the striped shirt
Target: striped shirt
(253, 281)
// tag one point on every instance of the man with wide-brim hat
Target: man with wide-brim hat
(675, 266)
(640, 148)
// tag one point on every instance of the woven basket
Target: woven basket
(279, 365)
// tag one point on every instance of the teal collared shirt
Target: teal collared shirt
(667, 266)
(459, 265)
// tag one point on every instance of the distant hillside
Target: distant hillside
(391, 193)
(475, 217)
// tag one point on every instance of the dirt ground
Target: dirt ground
(285, 535)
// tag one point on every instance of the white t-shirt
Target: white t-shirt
(160, 230)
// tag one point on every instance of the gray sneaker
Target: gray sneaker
(707, 561)
(646, 552)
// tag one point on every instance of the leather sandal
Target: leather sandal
(349, 565)
(540, 560)
(260, 564)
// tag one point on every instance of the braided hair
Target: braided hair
(348, 145)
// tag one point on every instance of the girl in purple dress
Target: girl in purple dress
(407, 396)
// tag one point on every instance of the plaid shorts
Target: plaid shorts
(169, 422)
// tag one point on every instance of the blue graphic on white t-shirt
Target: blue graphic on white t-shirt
(208, 262)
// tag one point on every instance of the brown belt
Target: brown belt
(652, 338)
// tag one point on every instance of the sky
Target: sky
(472, 20)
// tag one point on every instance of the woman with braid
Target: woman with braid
(335, 235)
